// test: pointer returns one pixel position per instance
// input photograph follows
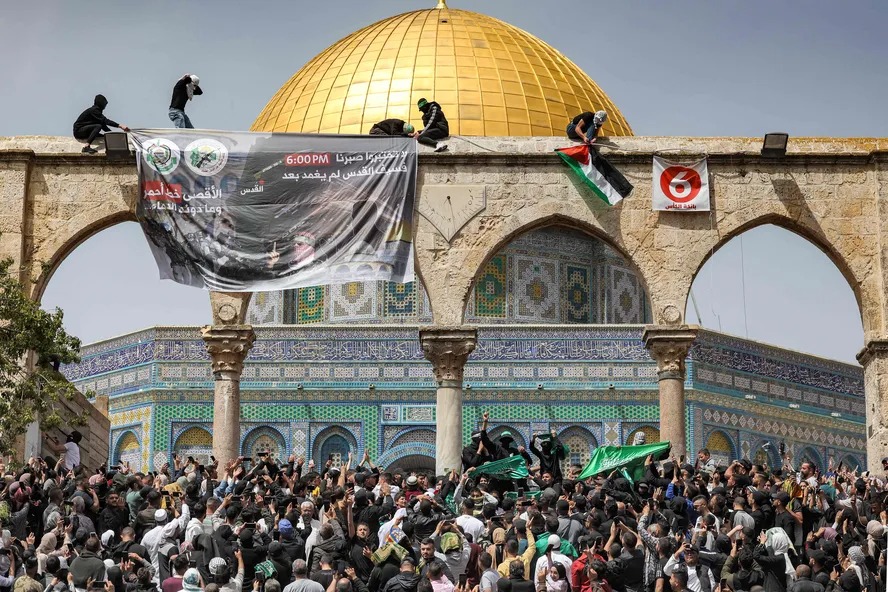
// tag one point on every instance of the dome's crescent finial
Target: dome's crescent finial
(441, 4)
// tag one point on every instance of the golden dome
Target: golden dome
(491, 79)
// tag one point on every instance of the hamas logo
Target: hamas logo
(161, 155)
(206, 157)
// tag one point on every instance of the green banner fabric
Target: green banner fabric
(630, 458)
(513, 467)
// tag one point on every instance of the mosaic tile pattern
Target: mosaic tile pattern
(128, 449)
(489, 293)
(399, 300)
(266, 308)
(353, 301)
(537, 290)
(625, 297)
(310, 305)
(578, 297)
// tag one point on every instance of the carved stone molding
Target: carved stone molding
(448, 349)
(873, 349)
(229, 308)
(228, 346)
(669, 347)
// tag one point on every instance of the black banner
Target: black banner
(253, 212)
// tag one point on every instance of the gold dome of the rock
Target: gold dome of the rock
(491, 79)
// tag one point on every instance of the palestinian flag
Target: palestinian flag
(600, 175)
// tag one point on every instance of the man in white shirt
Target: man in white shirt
(467, 521)
(163, 534)
(70, 448)
(695, 570)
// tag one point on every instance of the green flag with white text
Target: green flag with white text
(630, 458)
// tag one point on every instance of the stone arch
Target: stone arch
(722, 447)
(264, 439)
(811, 232)
(420, 454)
(810, 453)
(580, 442)
(128, 448)
(652, 434)
(765, 452)
(195, 441)
(851, 461)
(52, 253)
(336, 441)
(414, 436)
(557, 274)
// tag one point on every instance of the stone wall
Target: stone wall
(831, 191)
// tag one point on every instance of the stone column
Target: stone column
(874, 359)
(669, 346)
(228, 342)
(448, 348)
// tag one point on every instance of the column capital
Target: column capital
(228, 345)
(669, 347)
(448, 348)
(873, 348)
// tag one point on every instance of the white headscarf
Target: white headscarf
(778, 542)
(194, 81)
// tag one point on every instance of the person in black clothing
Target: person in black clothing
(392, 127)
(585, 126)
(436, 126)
(803, 582)
(92, 122)
(550, 452)
(184, 90)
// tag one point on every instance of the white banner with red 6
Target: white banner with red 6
(678, 187)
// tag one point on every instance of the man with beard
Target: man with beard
(361, 552)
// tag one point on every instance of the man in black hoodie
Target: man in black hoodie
(92, 122)
(405, 581)
(436, 126)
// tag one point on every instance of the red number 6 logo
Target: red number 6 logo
(680, 184)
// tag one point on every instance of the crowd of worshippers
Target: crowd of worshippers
(271, 524)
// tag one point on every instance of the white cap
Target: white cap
(195, 79)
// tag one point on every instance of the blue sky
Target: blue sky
(695, 68)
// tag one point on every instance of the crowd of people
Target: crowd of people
(273, 524)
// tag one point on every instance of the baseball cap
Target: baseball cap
(285, 527)
(782, 497)
(275, 549)
(554, 541)
(191, 580)
(218, 566)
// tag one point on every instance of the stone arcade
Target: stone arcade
(547, 308)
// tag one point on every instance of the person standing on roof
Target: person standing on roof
(435, 125)
(184, 90)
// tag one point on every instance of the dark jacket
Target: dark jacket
(433, 116)
(94, 115)
(294, 547)
(403, 582)
(335, 546)
(774, 568)
(805, 585)
(550, 458)
(179, 100)
(390, 127)
(87, 566)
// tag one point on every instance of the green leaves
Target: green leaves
(33, 344)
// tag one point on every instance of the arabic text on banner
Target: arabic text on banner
(253, 212)
(678, 187)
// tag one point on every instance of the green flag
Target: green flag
(629, 458)
(512, 467)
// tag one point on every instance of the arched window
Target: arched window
(129, 450)
(652, 435)
(196, 442)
